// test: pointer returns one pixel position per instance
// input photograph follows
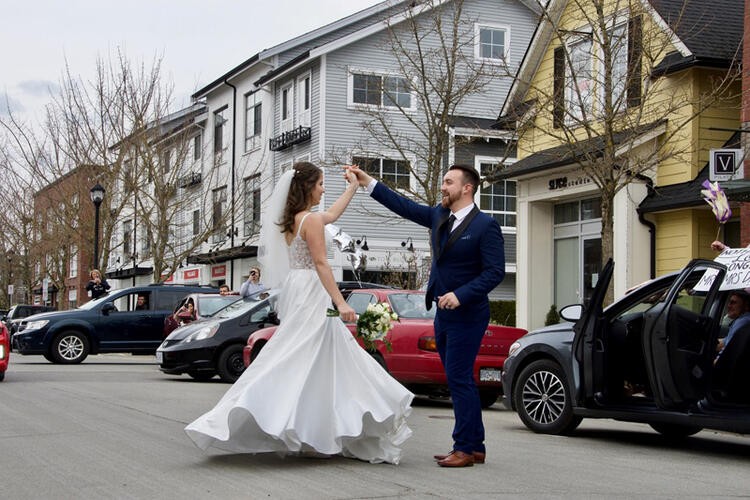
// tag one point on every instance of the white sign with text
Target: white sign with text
(737, 261)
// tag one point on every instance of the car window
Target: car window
(236, 308)
(410, 305)
(129, 301)
(167, 299)
(687, 297)
(359, 301)
(261, 314)
(645, 303)
(208, 306)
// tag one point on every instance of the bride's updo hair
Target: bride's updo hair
(306, 176)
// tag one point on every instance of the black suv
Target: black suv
(20, 311)
(113, 323)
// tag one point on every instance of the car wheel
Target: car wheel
(675, 431)
(230, 365)
(256, 349)
(201, 376)
(542, 399)
(487, 398)
(70, 348)
(49, 357)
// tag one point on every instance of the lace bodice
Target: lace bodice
(299, 254)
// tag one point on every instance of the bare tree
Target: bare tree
(432, 44)
(613, 91)
(118, 125)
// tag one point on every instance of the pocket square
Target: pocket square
(466, 237)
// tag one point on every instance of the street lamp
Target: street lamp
(97, 195)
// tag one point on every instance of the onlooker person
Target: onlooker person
(97, 285)
(141, 303)
(253, 284)
(738, 310)
(186, 313)
(224, 290)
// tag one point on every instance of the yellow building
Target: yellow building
(617, 105)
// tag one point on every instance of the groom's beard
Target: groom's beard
(449, 199)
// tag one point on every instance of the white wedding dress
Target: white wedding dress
(312, 388)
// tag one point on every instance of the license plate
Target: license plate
(489, 375)
(159, 357)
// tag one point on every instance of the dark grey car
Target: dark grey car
(649, 358)
(113, 323)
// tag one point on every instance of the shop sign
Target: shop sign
(191, 274)
(219, 271)
(568, 182)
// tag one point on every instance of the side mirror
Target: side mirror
(108, 307)
(572, 312)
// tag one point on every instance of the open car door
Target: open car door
(588, 344)
(679, 336)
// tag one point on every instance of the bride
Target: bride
(312, 389)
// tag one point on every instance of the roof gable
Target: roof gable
(704, 33)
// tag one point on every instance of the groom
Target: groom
(468, 261)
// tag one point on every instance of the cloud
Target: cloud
(39, 88)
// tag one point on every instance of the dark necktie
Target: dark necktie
(445, 230)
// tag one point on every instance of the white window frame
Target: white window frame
(478, 27)
(350, 104)
(572, 95)
(381, 157)
(253, 137)
(219, 115)
(619, 96)
(305, 108)
(478, 161)
(73, 263)
(287, 123)
(251, 205)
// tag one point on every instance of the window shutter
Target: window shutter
(635, 51)
(558, 91)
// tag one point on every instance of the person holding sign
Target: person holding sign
(738, 310)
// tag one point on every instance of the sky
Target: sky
(199, 40)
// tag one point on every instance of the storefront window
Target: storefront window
(578, 250)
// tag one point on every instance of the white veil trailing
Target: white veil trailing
(273, 252)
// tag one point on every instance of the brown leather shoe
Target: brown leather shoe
(457, 459)
(478, 456)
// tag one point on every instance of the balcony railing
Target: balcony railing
(288, 139)
(190, 179)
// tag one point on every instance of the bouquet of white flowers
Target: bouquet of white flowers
(373, 324)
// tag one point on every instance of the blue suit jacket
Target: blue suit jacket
(470, 264)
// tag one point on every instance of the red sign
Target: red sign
(169, 279)
(219, 271)
(191, 274)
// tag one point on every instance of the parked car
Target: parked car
(206, 304)
(111, 323)
(414, 360)
(20, 311)
(213, 345)
(346, 287)
(4, 350)
(648, 358)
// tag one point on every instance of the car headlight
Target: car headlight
(36, 325)
(204, 333)
(514, 347)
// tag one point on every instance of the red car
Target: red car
(414, 360)
(4, 350)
